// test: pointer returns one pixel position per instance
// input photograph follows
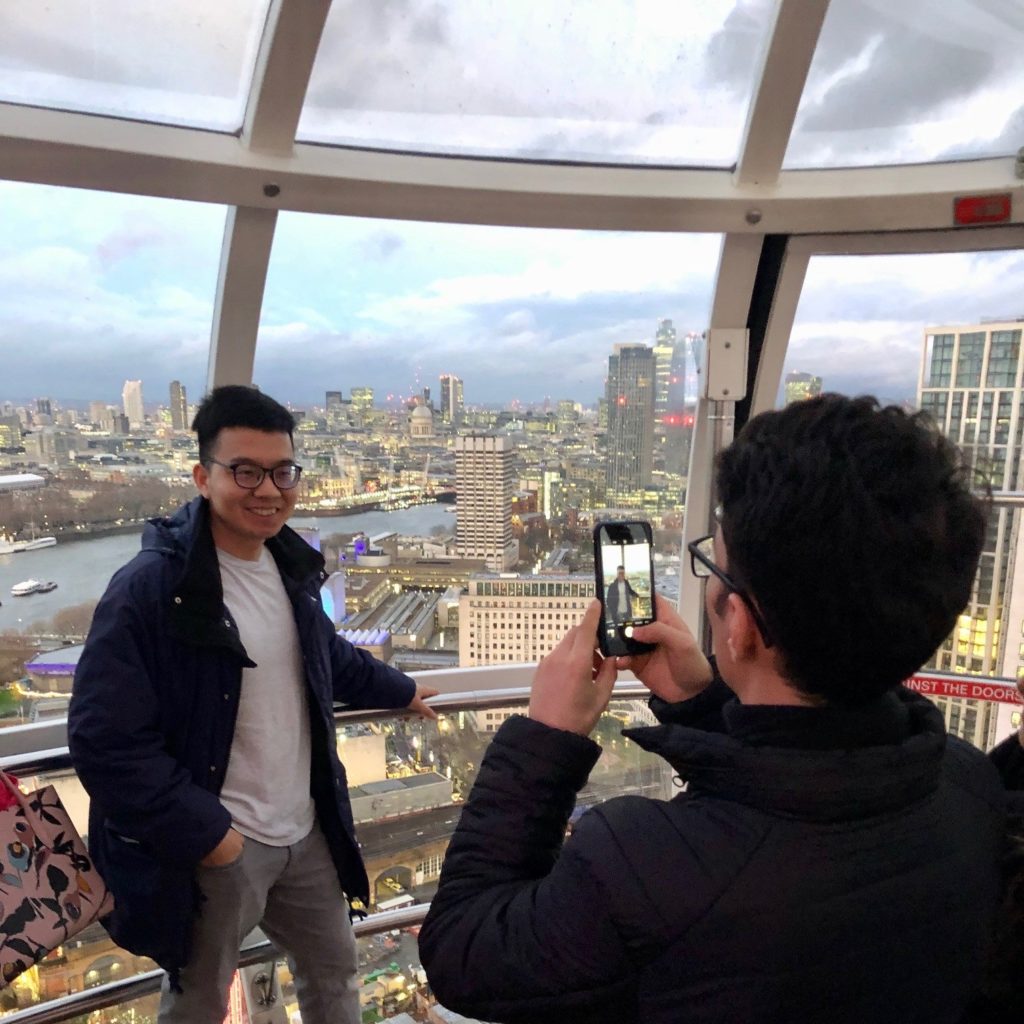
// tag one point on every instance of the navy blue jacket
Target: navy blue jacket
(821, 867)
(152, 718)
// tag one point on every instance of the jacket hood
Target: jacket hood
(808, 784)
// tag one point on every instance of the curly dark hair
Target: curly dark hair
(855, 530)
(238, 405)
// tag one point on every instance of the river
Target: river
(82, 568)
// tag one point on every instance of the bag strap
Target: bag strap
(16, 793)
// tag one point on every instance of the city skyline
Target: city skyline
(99, 288)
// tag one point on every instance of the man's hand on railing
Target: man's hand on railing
(417, 705)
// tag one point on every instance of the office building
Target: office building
(483, 480)
(131, 402)
(630, 397)
(362, 400)
(971, 385)
(664, 356)
(800, 386)
(451, 398)
(517, 619)
(10, 432)
(179, 406)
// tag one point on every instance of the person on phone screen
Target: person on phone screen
(619, 598)
(835, 855)
(201, 725)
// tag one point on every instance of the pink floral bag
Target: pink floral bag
(49, 889)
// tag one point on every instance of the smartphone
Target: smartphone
(623, 560)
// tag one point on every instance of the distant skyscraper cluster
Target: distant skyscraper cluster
(800, 386)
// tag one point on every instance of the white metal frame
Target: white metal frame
(799, 253)
(264, 171)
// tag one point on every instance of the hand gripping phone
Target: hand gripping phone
(623, 560)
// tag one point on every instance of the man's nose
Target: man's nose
(267, 486)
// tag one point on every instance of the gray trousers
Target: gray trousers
(293, 894)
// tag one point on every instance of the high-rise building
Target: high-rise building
(362, 400)
(44, 407)
(10, 432)
(630, 394)
(179, 406)
(332, 400)
(800, 386)
(971, 385)
(131, 401)
(483, 480)
(664, 355)
(451, 398)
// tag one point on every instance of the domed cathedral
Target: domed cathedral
(421, 422)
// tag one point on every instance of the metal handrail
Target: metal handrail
(114, 993)
(36, 762)
(35, 736)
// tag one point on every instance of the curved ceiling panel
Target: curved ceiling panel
(186, 63)
(913, 82)
(608, 81)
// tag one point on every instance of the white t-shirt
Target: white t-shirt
(266, 787)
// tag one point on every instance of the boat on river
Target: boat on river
(25, 587)
(35, 544)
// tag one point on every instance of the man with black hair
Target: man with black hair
(202, 726)
(834, 857)
(619, 597)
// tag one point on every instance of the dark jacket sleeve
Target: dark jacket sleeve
(117, 745)
(521, 928)
(359, 680)
(703, 711)
(1008, 757)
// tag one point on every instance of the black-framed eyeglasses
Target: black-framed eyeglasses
(702, 565)
(250, 476)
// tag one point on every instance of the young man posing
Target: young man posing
(835, 855)
(202, 727)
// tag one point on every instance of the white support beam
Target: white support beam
(83, 151)
(737, 270)
(245, 255)
(787, 60)
(283, 67)
(799, 252)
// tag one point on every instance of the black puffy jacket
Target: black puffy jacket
(789, 883)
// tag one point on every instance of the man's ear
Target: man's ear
(201, 476)
(741, 633)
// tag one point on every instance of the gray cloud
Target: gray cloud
(381, 245)
(733, 52)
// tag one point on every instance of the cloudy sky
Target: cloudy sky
(96, 288)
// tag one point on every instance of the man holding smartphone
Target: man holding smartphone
(835, 855)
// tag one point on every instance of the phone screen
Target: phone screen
(626, 584)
